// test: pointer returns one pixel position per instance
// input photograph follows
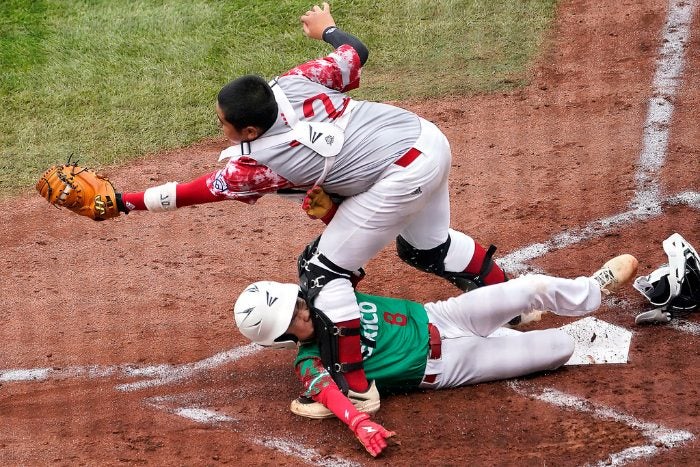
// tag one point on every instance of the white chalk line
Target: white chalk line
(58, 373)
(169, 375)
(658, 436)
(202, 415)
(308, 455)
(190, 412)
(517, 261)
(159, 374)
(646, 202)
(666, 81)
(685, 326)
(217, 419)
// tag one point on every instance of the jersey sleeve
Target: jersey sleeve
(310, 370)
(319, 385)
(245, 180)
(339, 70)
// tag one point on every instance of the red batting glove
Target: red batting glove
(372, 435)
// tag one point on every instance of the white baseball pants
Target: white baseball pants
(411, 201)
(469, 356)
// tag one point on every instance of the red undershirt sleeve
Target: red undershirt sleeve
(195, 192)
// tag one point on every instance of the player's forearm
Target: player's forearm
(170, 196)
(337, 37)
(372, 435)
(333, 398)
(319, 385)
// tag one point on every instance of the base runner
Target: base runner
(433, 346)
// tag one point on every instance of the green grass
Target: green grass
(111, 80)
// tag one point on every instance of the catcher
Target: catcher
(387, 167)
(432, 346)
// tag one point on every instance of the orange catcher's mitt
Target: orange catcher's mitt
(79, 189)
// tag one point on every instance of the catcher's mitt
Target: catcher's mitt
(79, 189)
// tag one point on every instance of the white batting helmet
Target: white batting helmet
(264, 311)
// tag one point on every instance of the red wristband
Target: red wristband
(329, 215)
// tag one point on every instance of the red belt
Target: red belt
(435, 342)
(407, 158)
(435, 350)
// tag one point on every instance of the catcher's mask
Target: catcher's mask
(264, 311)
(676, 286)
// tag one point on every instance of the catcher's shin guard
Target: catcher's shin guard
(480, 271)
(339, 343)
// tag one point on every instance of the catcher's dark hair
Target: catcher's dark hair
(248, 101)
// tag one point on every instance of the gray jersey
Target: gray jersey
(376, 135)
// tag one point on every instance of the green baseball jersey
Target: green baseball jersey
(399, 330)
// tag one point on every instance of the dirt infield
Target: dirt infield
(118, 341)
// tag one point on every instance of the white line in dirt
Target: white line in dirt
(686, 327)
(174, 374)
(160, 374)
(658, 436)
(197, 414)
(32, 374)
(202, 415)
(646, 202)
(516, 262)
(172, 404)
(667, 78)
(691, 198)
(55, 373)
(309, 456)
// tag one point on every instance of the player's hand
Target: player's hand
(316, 20)
(372, 435)
(317, 203)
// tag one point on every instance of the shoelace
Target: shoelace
(605, 277)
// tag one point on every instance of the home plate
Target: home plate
(598, 342)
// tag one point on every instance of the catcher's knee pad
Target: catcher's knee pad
(433, 261)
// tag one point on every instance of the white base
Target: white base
(598, 342)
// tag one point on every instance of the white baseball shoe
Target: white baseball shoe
(616, 272)
(367, 401)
